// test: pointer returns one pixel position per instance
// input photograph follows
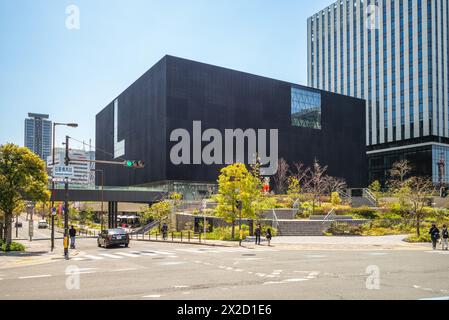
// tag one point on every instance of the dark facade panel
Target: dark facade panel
(226, 99)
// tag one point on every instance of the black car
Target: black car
(112, 237)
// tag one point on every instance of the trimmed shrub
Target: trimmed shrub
(15, 246)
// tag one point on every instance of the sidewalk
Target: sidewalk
(36, 252)
(393, 242)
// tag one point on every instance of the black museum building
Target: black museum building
(176, 93)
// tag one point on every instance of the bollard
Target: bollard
(156, 235)
(181, 236)
(149, 235)
(199, 237)
(172, 236)
(189, 235)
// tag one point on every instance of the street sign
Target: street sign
(53, 211)
(30, 228)
(61, 179)
(63, 171)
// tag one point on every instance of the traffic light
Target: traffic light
(134, 164)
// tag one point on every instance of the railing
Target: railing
(344, 196)
(146, 228)
(326, 218)
(370, 196)
(183, 236)
(275, 222)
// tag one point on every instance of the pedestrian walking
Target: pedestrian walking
(268, 235)
(444, 236)
(434, 235)
(258, 232)
(72, 235)
(164, 230)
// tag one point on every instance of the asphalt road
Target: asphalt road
(178, 271)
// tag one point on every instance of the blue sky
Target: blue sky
(73, 74)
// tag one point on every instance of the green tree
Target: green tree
(158, 211)
(335, 198)
(236, 183)
(86, 215)
(375, 186)
(22, 177)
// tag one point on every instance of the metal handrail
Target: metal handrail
(368, 194)
(328, 215)
(275, 221)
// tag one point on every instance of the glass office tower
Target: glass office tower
(38, 134)
(394, 54)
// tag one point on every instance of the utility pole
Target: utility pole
(53, 209)
(66, 202)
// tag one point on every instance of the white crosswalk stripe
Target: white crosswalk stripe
(107, 255)
(126, 254)
(92, 257)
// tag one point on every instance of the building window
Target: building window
(306, 108)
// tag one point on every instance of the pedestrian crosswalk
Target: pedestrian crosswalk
(438, 252)
(126, 253)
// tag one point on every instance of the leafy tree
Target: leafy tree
(375, 186)
(22, 177)
(158, 211)
(294, 187)
(86, 215)
(335, 198)
(236, 183)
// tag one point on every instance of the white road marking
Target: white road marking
(182, 286)
(92, 257)
(126, 269)
(313, 275)
(107, 255)
(171, 263)
(126, 254)
(259, 274)
(272, 282)
(79, 259)
(295, 280)
(37, 276)
(315, 256)
(163, 252)
(378, 254)
(436, 298)
(152, 296)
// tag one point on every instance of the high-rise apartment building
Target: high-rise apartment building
(84, 174)
(394, 54)
(38, 134)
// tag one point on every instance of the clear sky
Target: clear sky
(73, 74)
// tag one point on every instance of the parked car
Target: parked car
(42, 224)
(18, 224)
(113, 237)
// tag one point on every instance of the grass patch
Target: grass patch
(413, 238)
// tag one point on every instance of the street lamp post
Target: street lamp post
(102, 196)
(66, 202)
(73, 125)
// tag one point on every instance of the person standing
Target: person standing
(72, 234)
(258, 232)
(268, 235)
(444, 236)
(164, 230)
(434, 235)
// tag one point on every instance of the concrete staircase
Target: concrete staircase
(302, 227)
